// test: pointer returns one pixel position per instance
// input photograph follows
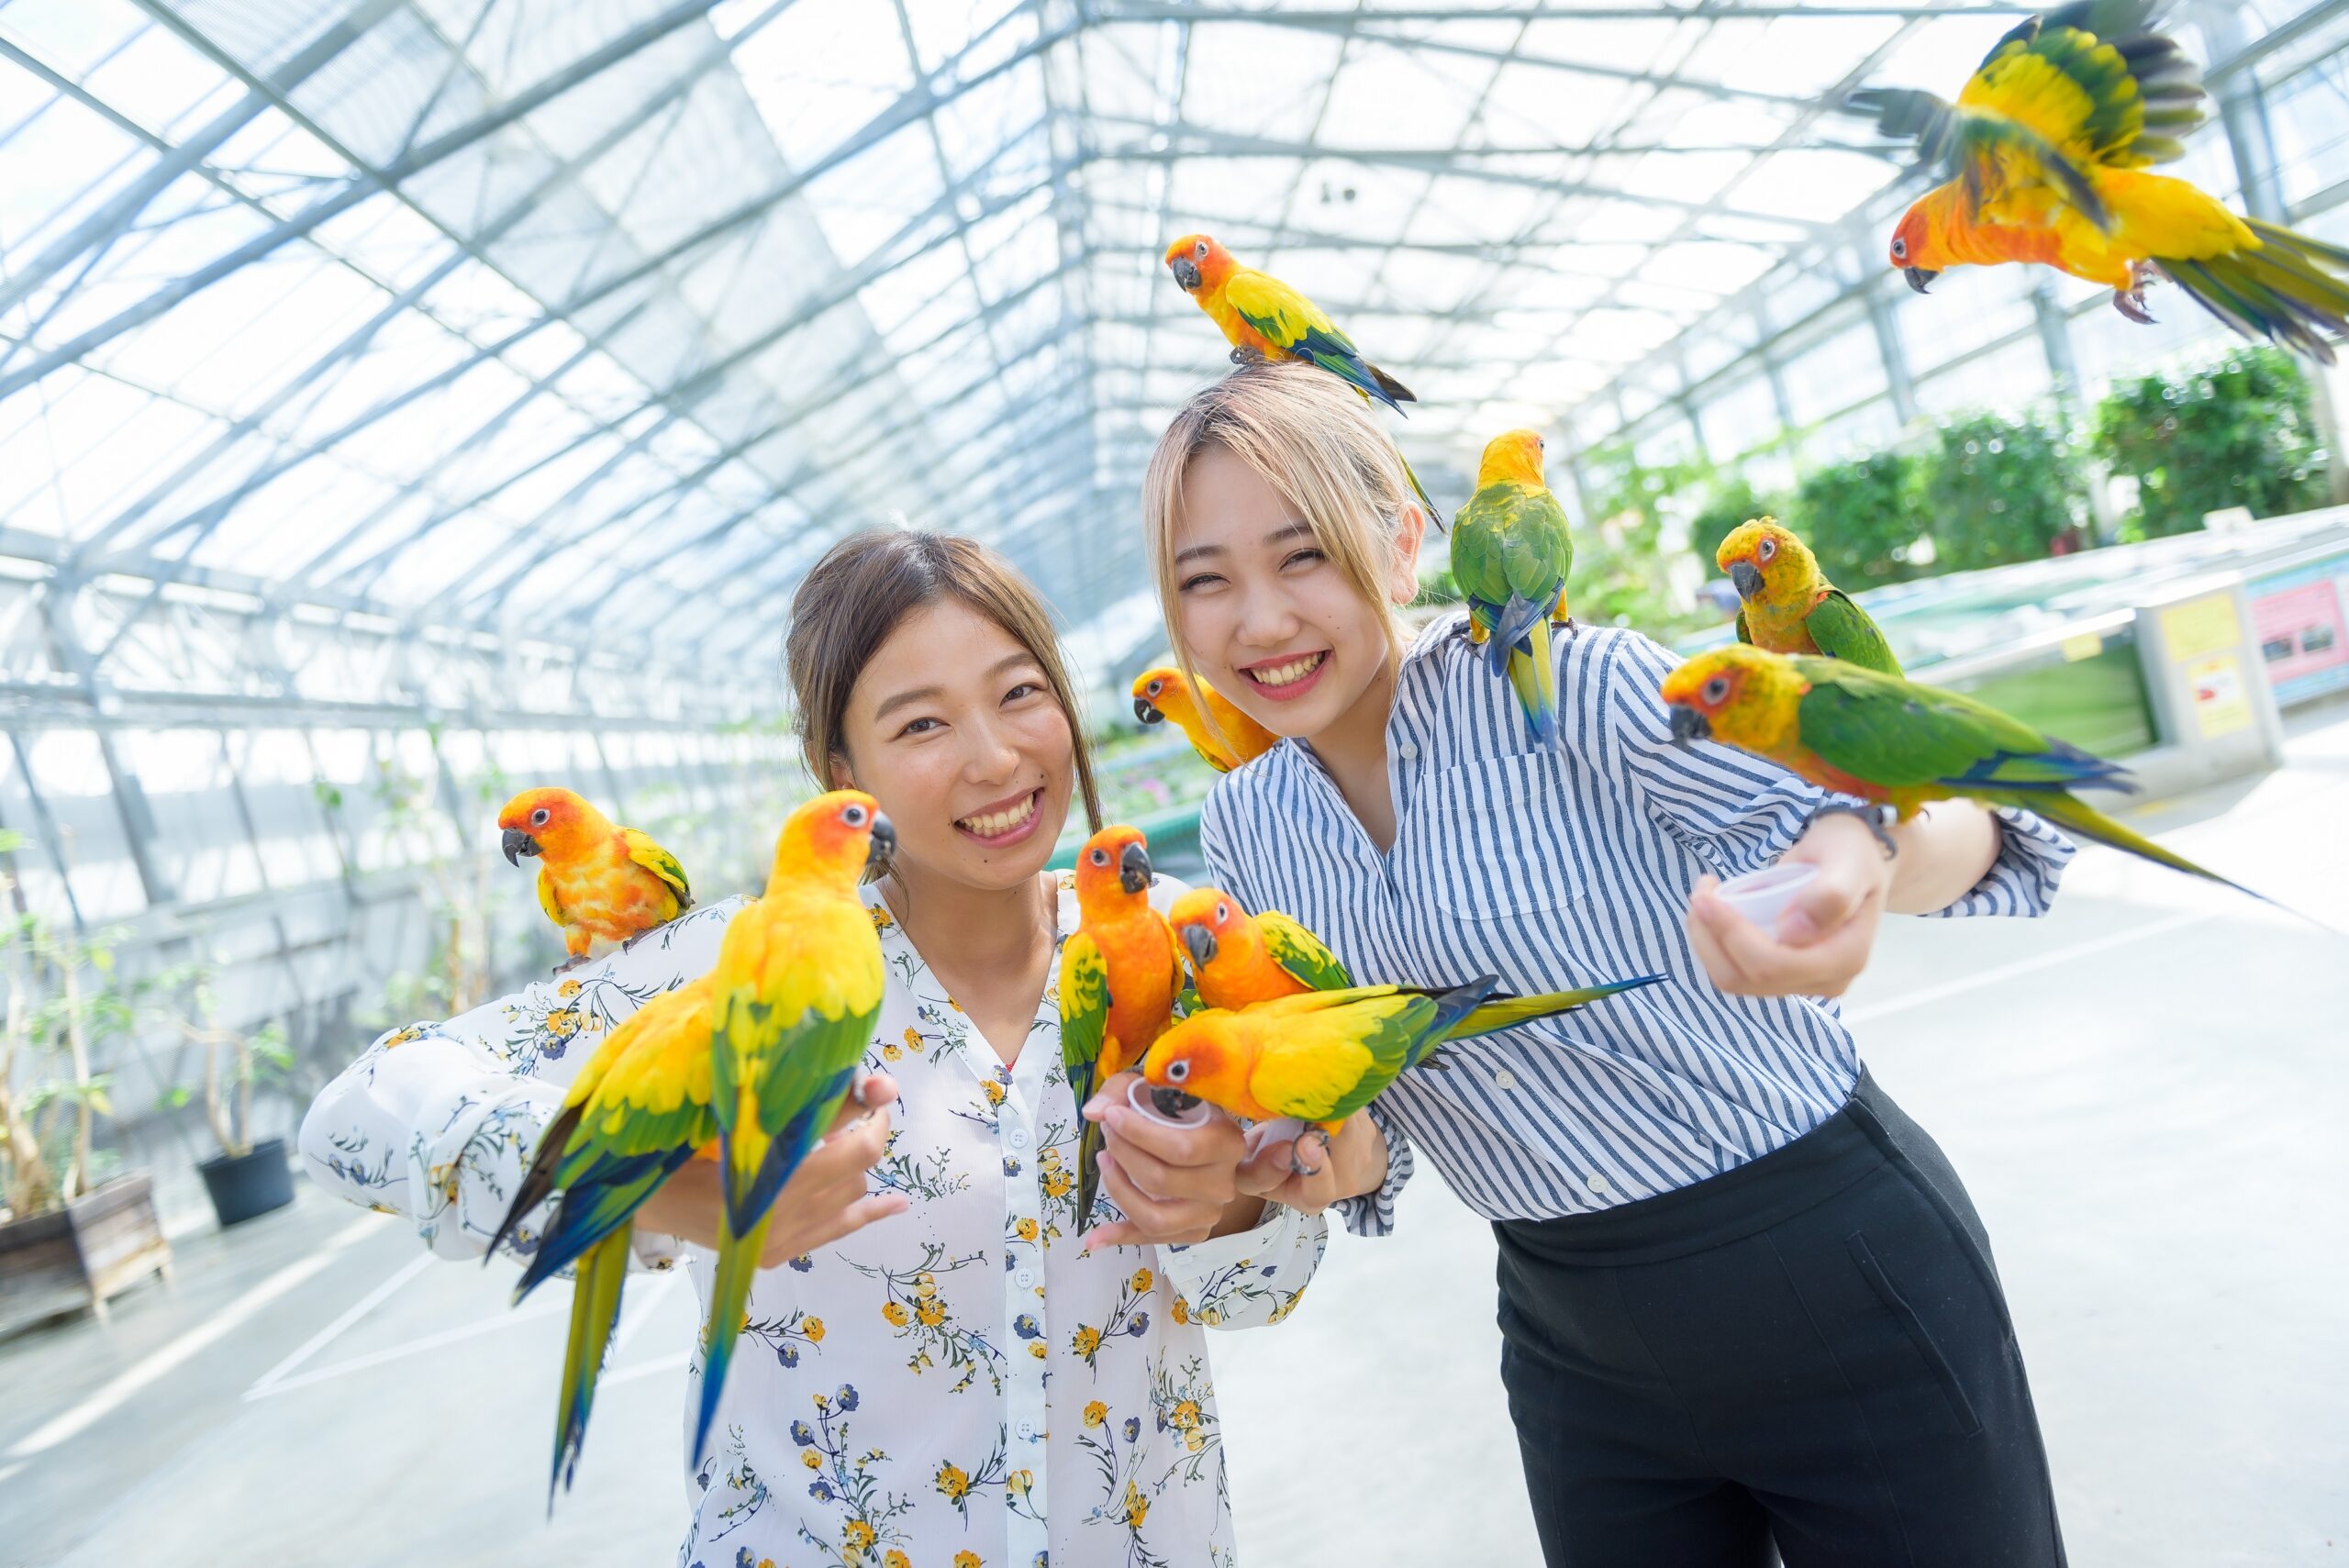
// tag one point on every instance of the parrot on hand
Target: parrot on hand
(1510, 554)
(1262, 316)
(1791, 607)
(1121, 973)
(641, 1108)
(2049, 144)
(1238, 960)
(596, 879)
(794, 995)
(1166, 692)
(1897, 744)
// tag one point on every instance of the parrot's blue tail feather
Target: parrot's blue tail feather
(783, 1156)
(592, 1207)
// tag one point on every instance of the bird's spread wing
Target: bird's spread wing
(659, 862)
(1900, 736)
(1843, 630)
(1301, 953)
(1085, 1012)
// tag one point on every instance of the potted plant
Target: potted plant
(67, 1241)
(246, 1179)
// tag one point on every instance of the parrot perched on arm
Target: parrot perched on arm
(640, 1109)
(1260, 315)
(2050, 142)
(596, 879)
(794, 995)
(1510, 554)
(1239, 959)
(1791, 607)
(1119, 976)
(1897, 744)
(1166, 692)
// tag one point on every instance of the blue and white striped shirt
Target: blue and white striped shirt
(1553, 868)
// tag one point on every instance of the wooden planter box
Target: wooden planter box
(78, 1256)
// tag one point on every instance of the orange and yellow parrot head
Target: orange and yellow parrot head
(1766, 562)
(1198, 263)
(833, 841)
(1740, 696)
(1112, 869)
(1513, 458)
(549, 822)
(1161, 692)
(1211, 926)
(1917, 252)
(1204, 1057)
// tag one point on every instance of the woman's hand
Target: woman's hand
(824, 1200)
(1824, 937)
(1352, 1163)
(1173, 1184)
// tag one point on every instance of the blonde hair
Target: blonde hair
(1315, 442)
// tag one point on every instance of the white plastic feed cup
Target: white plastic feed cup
(1138, 1096)
(1761, 896)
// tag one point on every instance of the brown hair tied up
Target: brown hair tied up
(847, 606)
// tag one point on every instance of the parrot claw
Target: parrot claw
(1879, 821)
(569, 963)
(1299, 1167)
(2130, 303)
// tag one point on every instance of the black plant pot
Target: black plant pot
(245, 1185)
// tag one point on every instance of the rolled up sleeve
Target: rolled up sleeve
(1251, 1278)
(2023, 879)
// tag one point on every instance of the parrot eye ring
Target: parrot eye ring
(1178, 1071)
(1100, 857)
(1716, 689)
(1900, 248)
(1200, 250)
(1769, 547)
(539, 817)
(853, 816)
(1222, 912)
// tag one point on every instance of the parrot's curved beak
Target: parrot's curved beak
(518, 843)
(1919, 277)
(1688, 724)
(1133, 869)
(1748, 578)
(1200, 942)
(1147, 714)
(1172, 1102)
(884, 845)
(1186, 273)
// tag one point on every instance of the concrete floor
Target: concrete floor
(2147, 1093)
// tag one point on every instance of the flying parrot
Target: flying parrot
(1239, 959)
(1260, 315)
(1510, 554)
(794, 995)
(595, 879)
(1791, 607)
(1121, 973)
(1897, 744)
(2049, 144)
(640, 1109)
(1166, 692)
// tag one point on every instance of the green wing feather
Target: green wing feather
(1403, 1031)
(1743, 635)
(1085, 1033)
(1301, 953)
(660, 863)
(1896, 734)
(1843, 630)
(1511, 540)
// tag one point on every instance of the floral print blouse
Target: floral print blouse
(955, 1386)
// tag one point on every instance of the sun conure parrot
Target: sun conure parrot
(1121, 973)
(1897, 744)
(795, 994)
(1510, 554)
(1239, 959)
(1166, 692)
(640, 1109)
(1260, 315)
(1790, 605)
(2049, 143)
(596, 879)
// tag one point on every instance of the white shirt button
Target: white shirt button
(1024, 1278)
(1027, 1431)
(1019, 1139)
(1596, 1184)
(1407, 750)
(1504, 1079)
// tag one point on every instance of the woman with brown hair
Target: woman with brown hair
(959, 1383)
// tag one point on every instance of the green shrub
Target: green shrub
(1862, 520)
(2235, 433)
(1997, 490)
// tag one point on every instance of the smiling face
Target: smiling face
(1267, 616)
(953, 727)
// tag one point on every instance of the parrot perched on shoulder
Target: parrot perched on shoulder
(596, 879)
(1791, 607)
(1897, 744)
(1260, 315)
(2049, 144)
(1510, 554)
(794, 995)
(640, 1109)
(1238, 960)
(1166, 692)
(1121, 973)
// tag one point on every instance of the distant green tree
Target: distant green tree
(1999, 490)
(2234, 433)
(1862, 519)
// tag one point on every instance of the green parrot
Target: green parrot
(1791, 608)
(1510, 554)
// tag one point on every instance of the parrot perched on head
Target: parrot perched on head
(1121, 973)
(797, 989)
(595, 879)
(1260, 315)
(1166, 692)
(1791, 607)
(2050, 142)
(1239, 959)
(1510, 554)
(1897, 744)
(640, 1109)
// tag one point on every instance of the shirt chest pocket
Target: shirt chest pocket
(1493, 842)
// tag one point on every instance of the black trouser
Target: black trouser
(1811, 1351)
